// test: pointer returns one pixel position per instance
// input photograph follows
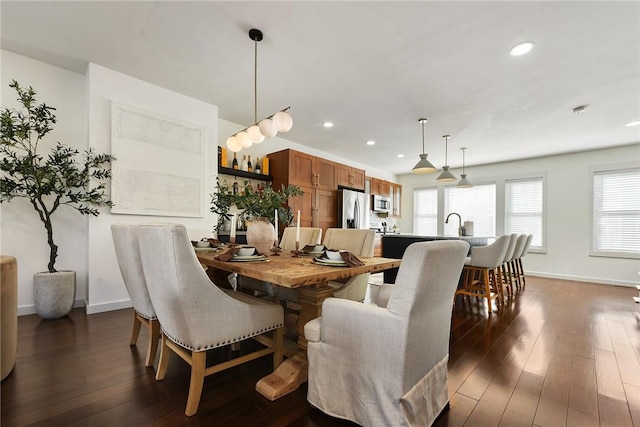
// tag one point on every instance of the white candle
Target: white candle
(276, 223)
(233, 226)
(298, 228)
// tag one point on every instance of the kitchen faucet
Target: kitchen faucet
(461, 230)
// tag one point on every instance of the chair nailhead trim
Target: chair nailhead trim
(220, 344)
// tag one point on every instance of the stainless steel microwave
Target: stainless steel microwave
(380, 203)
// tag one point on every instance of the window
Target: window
(477, 204)
(524, 208)
(616, 212)
(425, 212)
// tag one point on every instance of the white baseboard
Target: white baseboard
(110, 306)
(599, 280)
(31, 309)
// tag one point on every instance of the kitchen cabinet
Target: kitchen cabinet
(380, 187)
(316, 177)
(350, 177)
(377, 245)
(395, 195)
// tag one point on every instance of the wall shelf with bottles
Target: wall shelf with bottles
(243, 174)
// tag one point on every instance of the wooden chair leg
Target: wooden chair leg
(136, 329)
(524, 282)
(165, 352)
(198, 361)
(154, 336)
(487, 288)
(278, 344)
(496, 274)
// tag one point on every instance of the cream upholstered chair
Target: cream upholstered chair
(387, 366)
(512, 265)
(518, 262)
(359, 242)
(482, 271)
(195, 315)
(506, 279)
(125, 242)
(308, 236)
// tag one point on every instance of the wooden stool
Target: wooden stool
(9, 314)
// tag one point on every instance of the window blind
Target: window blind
(477, 204)
(524, 208)
(425, 211)
(616, 211)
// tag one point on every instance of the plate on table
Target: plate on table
(207, 249)
(314, 254)
(329, 262)
(245, 258)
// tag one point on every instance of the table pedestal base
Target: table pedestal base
(286, 378)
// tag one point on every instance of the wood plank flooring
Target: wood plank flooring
(560, 353)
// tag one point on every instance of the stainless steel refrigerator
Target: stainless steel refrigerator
(354, 209)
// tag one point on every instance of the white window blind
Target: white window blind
(477, 204)
(524, 208)
(425, 211)
(616, 211)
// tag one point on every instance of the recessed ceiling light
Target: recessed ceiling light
(636, 123)
(521, 49)
(579, 109)
(327, 124)
(370, 142)
(400, 155)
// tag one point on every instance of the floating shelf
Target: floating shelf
(243, 174)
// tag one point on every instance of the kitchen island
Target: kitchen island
(394, 245)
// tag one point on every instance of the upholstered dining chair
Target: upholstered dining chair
(125, 242)
(359, 242)
(506, 278)
(308, 236)
(386, 365)
(518, 262)
(194, 314)
(512, 266)
(482, 271)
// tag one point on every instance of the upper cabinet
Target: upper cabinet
(380, 187)
(350, 177)
(395, 194)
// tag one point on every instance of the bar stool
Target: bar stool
(482, 271)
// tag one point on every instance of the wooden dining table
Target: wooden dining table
(310, 279)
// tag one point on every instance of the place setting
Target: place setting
(242, 254)
(337, 258)
(207, 245)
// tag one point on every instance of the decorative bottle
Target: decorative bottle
(234, 165)
(258, 168)
(245, 165)
(249, 165)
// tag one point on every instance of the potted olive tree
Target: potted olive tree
(49, 178)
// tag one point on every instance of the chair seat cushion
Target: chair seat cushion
(312, 330)
(467, 261)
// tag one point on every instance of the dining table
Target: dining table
(309, 278)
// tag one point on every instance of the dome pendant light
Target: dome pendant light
(266, 128)
(464, 182)
(446, 175)
(424, 166)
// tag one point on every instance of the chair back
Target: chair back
(508, 255)
(522, 240)
(359, 242)
(492, 255)
(125, 243)
(308, 236)
(423, 293)
(527, 245)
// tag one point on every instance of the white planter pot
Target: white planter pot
(54, 293)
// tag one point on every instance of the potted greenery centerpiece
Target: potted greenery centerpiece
(256, 207)
(49, 179)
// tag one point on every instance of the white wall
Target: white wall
(568, 213)
(23, 234)
(106, 290)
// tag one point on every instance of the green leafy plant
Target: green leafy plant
(253, 203)
(60, 177)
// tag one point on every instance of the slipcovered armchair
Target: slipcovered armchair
(387, 366)
(125, 242)
(194, 314)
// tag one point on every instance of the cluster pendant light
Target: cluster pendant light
(266, 128)
(424, 166)
(446, 175)
(464, 182)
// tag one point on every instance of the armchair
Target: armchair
(387, 366)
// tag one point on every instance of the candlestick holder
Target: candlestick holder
(276, 248)
(232, 241)
(296, 253)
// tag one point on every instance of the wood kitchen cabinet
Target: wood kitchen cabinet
(380, 187)
(316, 177)
(350, 177)
(395, 194)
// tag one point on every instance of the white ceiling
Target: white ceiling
(373, 68)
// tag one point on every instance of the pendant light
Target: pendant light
(464, 182)
(446, 175)
(424, 166)
(266, 128)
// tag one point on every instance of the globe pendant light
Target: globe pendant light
(446, 175)
(423, 166)
(464, 182)
(266, 128)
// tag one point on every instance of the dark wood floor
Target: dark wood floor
(562, 353)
